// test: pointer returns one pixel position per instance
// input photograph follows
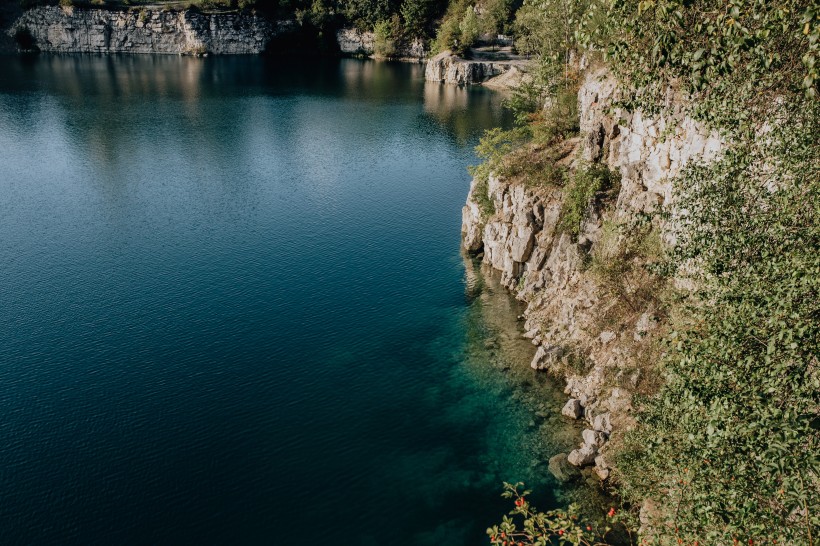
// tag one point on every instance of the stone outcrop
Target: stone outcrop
(147, 30)
(446, 67)
(359, 43)
(519, 236)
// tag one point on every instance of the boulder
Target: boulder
(602, 473)
(582, 457)
(545, 357)
(602, 423)
(593, 438)
(573, 408)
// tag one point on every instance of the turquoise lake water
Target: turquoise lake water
(233, 308)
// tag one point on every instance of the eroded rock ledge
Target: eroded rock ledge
(146, 30)
(448, 68)
(516, 231)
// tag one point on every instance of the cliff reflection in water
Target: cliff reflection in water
(182, 87)
(461, 108)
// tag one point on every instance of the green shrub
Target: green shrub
(415, 17)
(386, 38)
(526, 525)
(459, 28)
(732, 440)
(468, 28)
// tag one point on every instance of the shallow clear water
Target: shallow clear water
(233, 308)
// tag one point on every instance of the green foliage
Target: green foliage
(732, 440)
(366, 14)
(459, 28)
(531, 150)
(468, 28)
(416, 16)
(734, 57)
(585, 184)
(481, 195)
(386, 36)
(496, 16)
(527, 526)
(546, 28)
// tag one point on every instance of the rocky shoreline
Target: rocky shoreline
(515, 229)
(170, 31)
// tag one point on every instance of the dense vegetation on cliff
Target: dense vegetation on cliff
(727, 449)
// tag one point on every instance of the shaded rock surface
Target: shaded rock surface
(353, 41)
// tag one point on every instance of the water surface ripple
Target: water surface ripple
(233, 309)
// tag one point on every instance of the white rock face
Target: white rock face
(147, 30)
(353, 41)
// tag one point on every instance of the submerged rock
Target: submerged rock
(560, 468)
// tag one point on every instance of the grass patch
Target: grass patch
(584, 185)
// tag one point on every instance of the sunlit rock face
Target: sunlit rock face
(446, 67)
(515, 229)
(147, 30)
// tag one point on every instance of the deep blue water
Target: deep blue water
(233, 308)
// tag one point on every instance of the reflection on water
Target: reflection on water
(233, 301)
(459, 107)
(55, 86)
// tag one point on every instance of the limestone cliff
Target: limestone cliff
(146, 30)
(596, 333)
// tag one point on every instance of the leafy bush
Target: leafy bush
(527, 526)
(468, 28)
(386, 38)
(731, 443)
(459, 28)
(416, 16)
